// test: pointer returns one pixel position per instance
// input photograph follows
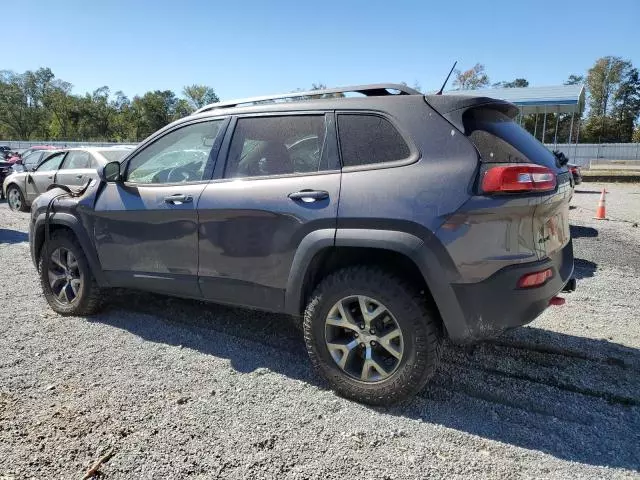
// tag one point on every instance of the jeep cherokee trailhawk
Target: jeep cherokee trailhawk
(388, 221)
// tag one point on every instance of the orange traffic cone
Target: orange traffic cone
(601, 213)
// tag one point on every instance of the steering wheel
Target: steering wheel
(179, 174)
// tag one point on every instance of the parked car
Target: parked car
(17, 157)
(71, 167)
(5, 171)
(576, 172)
(387, 222)
(5, 150)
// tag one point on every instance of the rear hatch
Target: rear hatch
(514, 165)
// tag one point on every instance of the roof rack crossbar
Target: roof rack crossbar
(373, 90)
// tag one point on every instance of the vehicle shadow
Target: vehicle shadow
(578, 231)
(12, 236)
(584, 268)
(590, 192)
(574, 398)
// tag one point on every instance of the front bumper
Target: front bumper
(496, 304)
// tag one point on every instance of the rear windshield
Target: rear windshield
(113, 155)
(501, 140)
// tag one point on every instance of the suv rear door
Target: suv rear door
(78, 167)
(146, 226)
(280, 182)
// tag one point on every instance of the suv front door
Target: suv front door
(281, 181)
(146, 227)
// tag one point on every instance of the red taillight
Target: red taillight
(518, 178)
(536, 279)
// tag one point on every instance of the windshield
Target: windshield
(113, 155)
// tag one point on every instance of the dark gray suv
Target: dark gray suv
(388, 222)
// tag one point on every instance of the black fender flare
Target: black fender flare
(428, 254)
(73, 223)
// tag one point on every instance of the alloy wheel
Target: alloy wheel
(14, 199)
(364, 339)
(64, 275)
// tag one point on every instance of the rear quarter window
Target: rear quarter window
(501, 140)
(369, 140)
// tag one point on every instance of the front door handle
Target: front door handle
(79, 176)
(309, 196)
(178, 199)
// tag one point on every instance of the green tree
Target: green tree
(603, 79)
(626, 107)
(574, 80)
(199, 95)
(614, 101)
(517, 83)
(20, 110)
(471, 79)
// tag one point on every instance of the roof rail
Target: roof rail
(373, 90)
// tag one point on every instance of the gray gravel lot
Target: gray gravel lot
(185, 389)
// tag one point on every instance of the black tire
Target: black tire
(419, 323)
(89, 296)
(23, 204)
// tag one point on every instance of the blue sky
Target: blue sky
(246, 48)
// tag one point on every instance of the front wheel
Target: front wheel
(371, 336)
(15, 199)
(67, 282)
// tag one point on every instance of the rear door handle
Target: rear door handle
(309, 196)
(79, 176)
(178, 199)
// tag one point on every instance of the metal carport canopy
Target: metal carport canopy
(532, 100)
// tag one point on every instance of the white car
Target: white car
(72, 167)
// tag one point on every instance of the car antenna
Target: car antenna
(447, 79)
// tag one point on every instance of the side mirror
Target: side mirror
(110, 172)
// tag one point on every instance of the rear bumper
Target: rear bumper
(496, 304)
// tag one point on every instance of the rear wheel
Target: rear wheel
(67, 282)
(15, 199)
(372, 336)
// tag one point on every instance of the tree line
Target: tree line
(613, 100)
(37, 105)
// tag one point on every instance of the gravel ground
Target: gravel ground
(179, 389)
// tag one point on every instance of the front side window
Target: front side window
(369, 139)
(263, 146)
(178, 157)
(52, 163)
(77, 159)
(32, 159)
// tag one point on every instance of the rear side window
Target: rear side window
(264, 146)
(501, 140)
(77, 159)
(369, 139)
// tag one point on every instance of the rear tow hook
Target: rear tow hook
(568, 288)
